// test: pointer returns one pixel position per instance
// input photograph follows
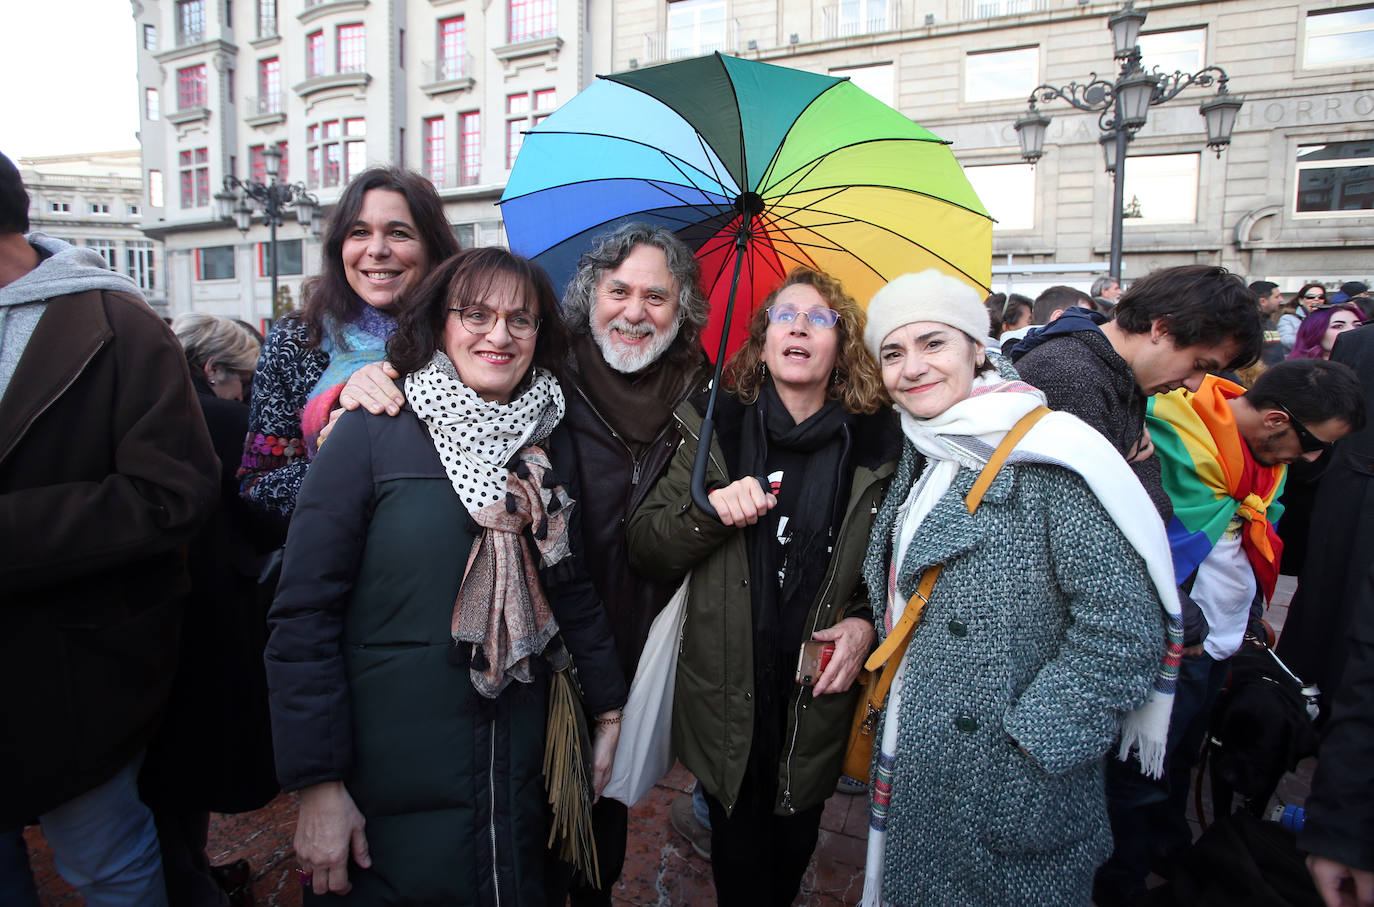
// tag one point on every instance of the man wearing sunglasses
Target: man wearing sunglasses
(1223, 454)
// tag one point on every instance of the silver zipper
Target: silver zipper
(491, 790)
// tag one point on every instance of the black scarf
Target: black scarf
(636, 406)
(813, 457)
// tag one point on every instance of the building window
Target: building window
(524, 111)
(452, 50)
(876, 80)
(288, 257)
(155, 188)
(1339, 38)
(530, 19)
(1182, 50)
(1161, 188)
(336, 151)
(215, 263)
(314, 54)
(194, 170)
(150, 37)
(859, 17)
(269, 85)
(191, 87)
(434, 150)
(350, 48)
(106, 249)
(98, 207)
(257, 164)
(695, 28)
(1337, 177)
(267, 18)
(134, 210)
(469, 148)
(190, 22)
(138, 261)
(1008, 192)
(151, 109)
(999, 74)
(59, 208)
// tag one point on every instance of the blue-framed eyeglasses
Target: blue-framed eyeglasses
(786, 314)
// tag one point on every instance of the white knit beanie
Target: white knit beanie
(928, 296)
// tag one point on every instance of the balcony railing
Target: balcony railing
(447, 70)
(262, 106)
(188, 36)
(837, 22)
(992, 9)
(660, 46)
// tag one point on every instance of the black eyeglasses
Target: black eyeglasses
(480, 320)
(1310, 443)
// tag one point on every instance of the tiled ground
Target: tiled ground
(660, 867)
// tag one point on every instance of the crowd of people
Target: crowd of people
(417, 587)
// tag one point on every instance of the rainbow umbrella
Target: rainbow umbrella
(757, 168)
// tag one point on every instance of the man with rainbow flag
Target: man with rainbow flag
(1223, 455)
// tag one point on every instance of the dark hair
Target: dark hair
(1313, 390)
(856, 381)
(609, 252)
(1199, 304)
(465, 279)
(14, 201)
(1262, 289)
(995, 303)
(1016, 307)
(1297, 302)
(1058, 297)
(327, 296)
(1308, 343)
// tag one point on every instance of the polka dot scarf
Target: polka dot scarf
(505, 482)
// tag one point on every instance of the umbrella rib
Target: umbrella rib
(837, 190)
(675, 159)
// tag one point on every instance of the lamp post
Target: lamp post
(1123, 106)
(232, 204)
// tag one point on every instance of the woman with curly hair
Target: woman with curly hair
(804, 447)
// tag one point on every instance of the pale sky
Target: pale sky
(68, 68)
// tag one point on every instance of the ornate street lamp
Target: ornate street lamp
(273, 197)
(1123, 107)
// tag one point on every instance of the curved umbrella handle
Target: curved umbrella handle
(700, 496)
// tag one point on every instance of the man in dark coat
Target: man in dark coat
(106, 469)
(1270, 299)
(1340, 544)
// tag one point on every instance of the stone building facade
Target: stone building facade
(445, 86)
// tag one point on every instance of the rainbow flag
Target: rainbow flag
(1211, 477)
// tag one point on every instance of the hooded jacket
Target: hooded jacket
(106, 469)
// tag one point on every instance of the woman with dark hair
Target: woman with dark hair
(776, 571)
(1319, 331)
(387, 231)
(1295, 310)
(430, 584)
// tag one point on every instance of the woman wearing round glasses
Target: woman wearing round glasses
(803, 450)
(429, 586)
(1295, 310)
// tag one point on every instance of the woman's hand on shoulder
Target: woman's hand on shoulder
(328, 828)
(853, 638)
(742, 502)
(374, 388)
(605, 739)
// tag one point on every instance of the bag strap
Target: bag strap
(900, 637)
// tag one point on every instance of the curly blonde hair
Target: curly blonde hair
(856, 382)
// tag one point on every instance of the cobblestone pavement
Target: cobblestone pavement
(661, 868)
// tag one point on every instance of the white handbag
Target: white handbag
(645, 752)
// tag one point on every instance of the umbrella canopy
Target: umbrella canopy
(827, 175)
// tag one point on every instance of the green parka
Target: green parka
(713, 702)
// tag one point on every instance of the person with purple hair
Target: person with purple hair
(1319, 330)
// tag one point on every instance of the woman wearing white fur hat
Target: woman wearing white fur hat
(1045, 634)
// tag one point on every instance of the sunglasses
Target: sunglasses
(479, 319)
(1308, 441)
(1314, 296)
(786, 314)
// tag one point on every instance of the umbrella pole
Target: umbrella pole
(699, 496)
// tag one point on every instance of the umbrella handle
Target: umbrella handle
(700, 497)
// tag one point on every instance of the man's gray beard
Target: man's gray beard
(630, 361)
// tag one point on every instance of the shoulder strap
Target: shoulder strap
(999, 456)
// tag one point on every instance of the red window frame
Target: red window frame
(530, 19)
(269, 85)
(434, 159)
(314, 54)
(469, 148)
(351, 48)
(452, 49)
(191, 87)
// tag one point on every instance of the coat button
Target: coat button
(958, 628)
(966, 723)
(748, 696)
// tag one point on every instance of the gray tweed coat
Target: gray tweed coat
(1042, 631)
